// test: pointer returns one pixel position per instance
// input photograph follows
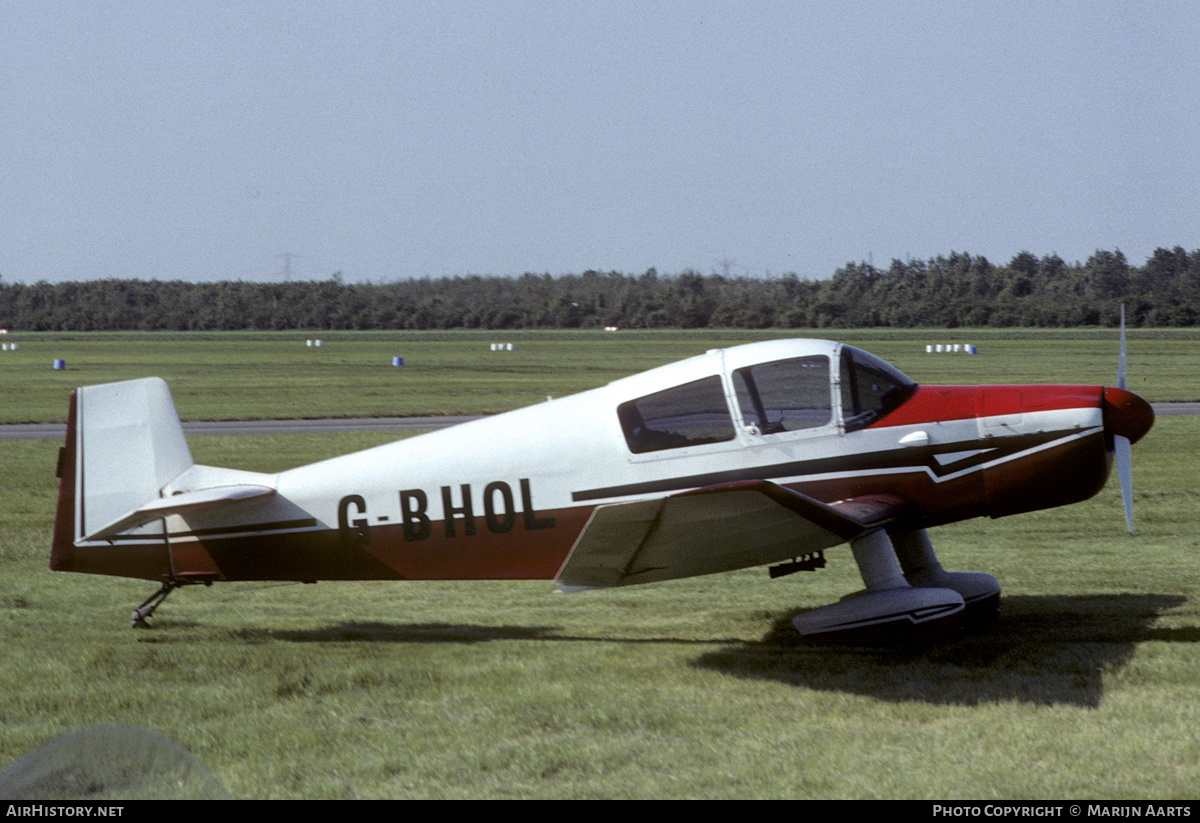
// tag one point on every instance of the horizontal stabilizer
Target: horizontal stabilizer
(712, 529)
(179, 504)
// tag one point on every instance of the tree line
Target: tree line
(957, 290)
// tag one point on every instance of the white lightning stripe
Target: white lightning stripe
(953, 457)
(808, 478)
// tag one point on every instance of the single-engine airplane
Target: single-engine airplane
(762, 454)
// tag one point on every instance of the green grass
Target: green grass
(1086, 688)
(275, 375)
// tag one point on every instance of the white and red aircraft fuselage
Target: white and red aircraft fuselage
(763, 454)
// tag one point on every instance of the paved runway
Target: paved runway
(1163, 409)
(56, 431)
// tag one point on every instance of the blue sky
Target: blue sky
(387, 140)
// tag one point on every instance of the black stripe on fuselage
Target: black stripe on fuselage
(912, 458)
(220, 531)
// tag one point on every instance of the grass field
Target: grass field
(1088, 687)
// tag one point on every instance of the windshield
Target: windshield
(871, 388)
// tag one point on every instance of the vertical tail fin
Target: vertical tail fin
(124, 443)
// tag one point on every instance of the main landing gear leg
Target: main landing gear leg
(889, 609)
(980, 591)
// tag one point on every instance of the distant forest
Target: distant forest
(959, 290)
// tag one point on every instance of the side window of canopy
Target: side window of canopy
(688, 415)
(871, 388)
(785, 395)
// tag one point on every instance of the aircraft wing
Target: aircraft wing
(713, 529)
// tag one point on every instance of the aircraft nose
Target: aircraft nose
(1126, 414)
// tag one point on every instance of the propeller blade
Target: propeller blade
(1121, 378)
(1122, 448)
(1121, 445)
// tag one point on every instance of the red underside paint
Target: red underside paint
(1060, 476)
(325, 555)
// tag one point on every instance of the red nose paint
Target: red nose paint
(1127, 414)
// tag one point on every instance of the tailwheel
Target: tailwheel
(150, 604)
(142, 612)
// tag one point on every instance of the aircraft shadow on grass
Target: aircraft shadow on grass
(1045, 650)
(375, 632)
